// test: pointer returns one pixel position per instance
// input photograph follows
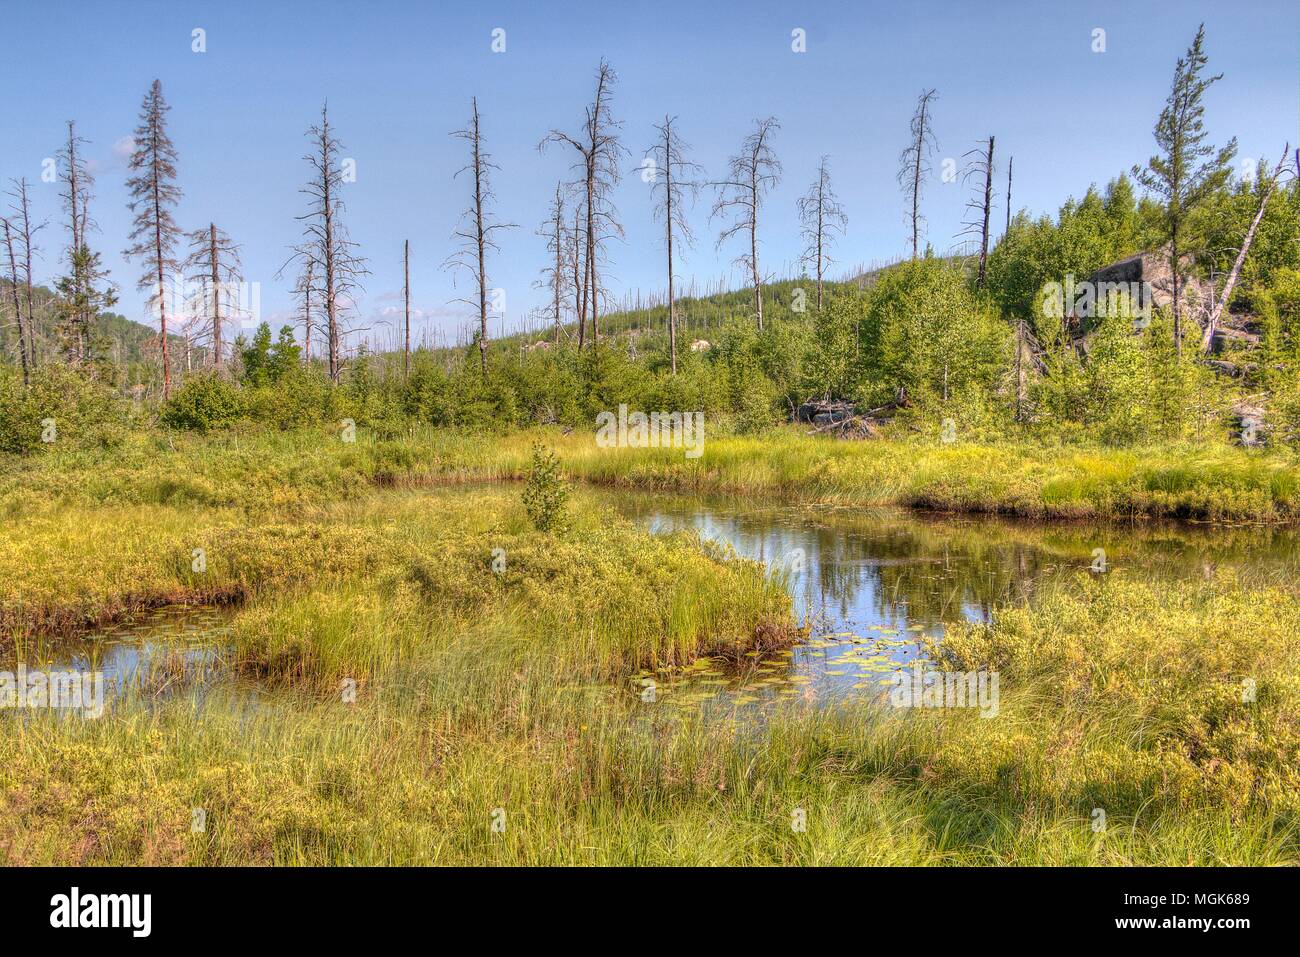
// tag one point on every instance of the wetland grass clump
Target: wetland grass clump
(289, 472)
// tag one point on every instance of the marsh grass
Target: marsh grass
(291, 471)
(481, 689)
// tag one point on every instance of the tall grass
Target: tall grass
(508, 693)
(291, 471)
(511, 698)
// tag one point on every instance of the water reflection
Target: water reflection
(156, 650)
(871, 582)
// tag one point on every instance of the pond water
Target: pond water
(869, 584)
(158, 650)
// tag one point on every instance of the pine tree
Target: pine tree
(153, 195)
(1188, 170)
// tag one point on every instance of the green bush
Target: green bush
(545, 492)
(61, 406)
(206, 401)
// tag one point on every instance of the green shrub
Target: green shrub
(63, 406)
(545, 492)
(206, 401)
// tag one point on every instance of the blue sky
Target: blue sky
(399, 77)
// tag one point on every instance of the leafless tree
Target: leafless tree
(24, 239)
(1010, 164)
(17, 300)
(822, 216)
(1207, 337)
(574, 245)
(979, 168)
(213, 266)
(555, 277)
(153, 195)
(406, 296)
(76, 183)
(330, 265)
(303, 293)
(599, 150)
(84, 290)
(673, 186)
(914, 162)
(477, 231)
(751, 174)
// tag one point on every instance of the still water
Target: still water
(869, 584)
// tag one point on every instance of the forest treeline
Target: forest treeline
(973, 343)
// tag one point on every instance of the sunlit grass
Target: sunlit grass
(507, 694)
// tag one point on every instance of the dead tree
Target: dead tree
(1010, 163)
(153, 195)
(751, 174)
(979, 167)
(672, 186)
(24, 231)
(477, 232)
(577, 271)
(822, 216)
(406, 296)
(330, 264)
(17, 300)
(598, 149)
(79, 292)
(555, 277)
(213, 266)
(914, 163)
(302, 291)
(1207, 338)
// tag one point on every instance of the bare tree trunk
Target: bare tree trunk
(916, 180)
(579, 283)
(753, 246)
(306, 316)
(988, 207)
(558, 279)
(1207, 338)
(668, 227)
(331, 302)
(406, 292)
(478, 225)
(591, 257)
(1010, 163)
(18, 309)
(821, 232)
(24, 210)
(218, 357)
